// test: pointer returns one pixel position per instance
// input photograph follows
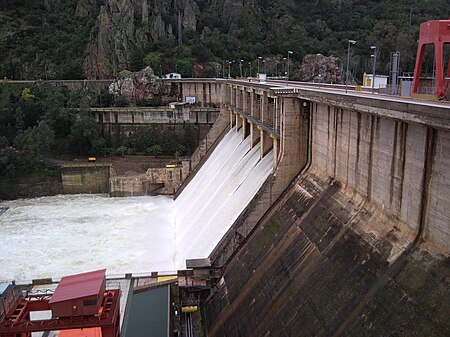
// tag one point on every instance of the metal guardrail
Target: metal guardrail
(394, 90)
(259, 123)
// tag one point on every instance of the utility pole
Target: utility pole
(289, 53)
(350, 42)
(180, 32)
(374, 55)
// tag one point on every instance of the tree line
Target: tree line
(41, 123)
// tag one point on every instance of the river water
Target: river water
(67, 234)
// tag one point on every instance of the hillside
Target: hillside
(99, 38)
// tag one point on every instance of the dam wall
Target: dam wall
(324, 263)
(85, 178)
(358, 242)
(401, 166)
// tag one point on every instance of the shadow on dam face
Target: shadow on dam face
(357, 245)
(308, 268)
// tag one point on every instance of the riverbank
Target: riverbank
(48, 182)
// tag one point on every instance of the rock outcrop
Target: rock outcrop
(320, 68)
(143, 86)
(123, 26)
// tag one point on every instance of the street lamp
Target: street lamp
(350, 42)
(264, 66)
(240, 67)
(374, 55)
(319, 56)
(229, 69)
(289, 53)
(284, 66)
(259, 58)
(250, 68)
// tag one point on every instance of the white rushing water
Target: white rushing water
(67, 234)
(216, 196)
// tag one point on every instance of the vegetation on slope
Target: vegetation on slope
(40, 123)
(48, 39)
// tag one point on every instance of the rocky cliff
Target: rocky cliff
(124, 26)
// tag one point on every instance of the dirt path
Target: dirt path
(128, 165)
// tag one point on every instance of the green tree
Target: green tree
(84, 137)
(136, 59)
(35, 144)
(153, 59)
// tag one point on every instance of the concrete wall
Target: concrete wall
(205, 91)
(401, 167)
(163, 180)
(133, 186)
(323, 263)
(358, 244)
(155, 115)
(85, 178)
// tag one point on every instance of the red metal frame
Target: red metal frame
(435, 32)
(18, 321)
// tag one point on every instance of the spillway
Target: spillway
(216, 196)
(55, 236)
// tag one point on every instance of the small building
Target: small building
(381, 81)
(79, 295)
(173, 76)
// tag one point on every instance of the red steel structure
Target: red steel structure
(435, 32)
(17, 321)
(78, 295)
(80, 301)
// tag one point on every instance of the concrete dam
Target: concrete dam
(349, 235)
(307, 211)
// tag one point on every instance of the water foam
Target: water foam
(66, 234)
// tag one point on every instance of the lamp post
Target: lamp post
(284, 66)
(264, 66)
(319, 56)
(289, 53)
(259, 58)
(240, 67)
(229, 69)
(350, 42)
(250, 68)
(374, 55)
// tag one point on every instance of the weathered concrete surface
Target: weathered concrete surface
(133, 186)
(156, 180)
(359, 245)
(85, 178)
(205, 91)
(162, 115)
(324, 263)
(401, 167)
